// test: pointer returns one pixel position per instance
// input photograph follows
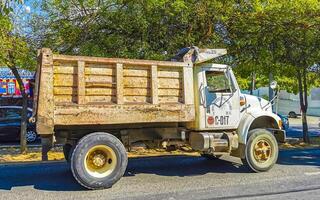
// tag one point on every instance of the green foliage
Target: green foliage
(278, 36)
(14, 51)
(133, 29)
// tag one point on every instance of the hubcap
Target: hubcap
(262, 151)
(100, 161)
(31, 136)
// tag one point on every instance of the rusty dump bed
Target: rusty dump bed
(76, 90)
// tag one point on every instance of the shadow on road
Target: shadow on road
(58, 177)
(181, 166)
(308, 157)
(42, 176)
(296, 131)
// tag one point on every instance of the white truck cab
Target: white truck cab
(225, 116)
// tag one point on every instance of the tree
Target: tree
(14, 52)
(133, 29)
(281, 37)
(263, 36)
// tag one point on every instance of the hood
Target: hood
(257, 104)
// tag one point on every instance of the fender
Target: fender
(248, 119)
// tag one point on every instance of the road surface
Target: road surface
(295, 131)
(295, 176)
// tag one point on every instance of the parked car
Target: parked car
(291, 108)
(285, 121)
(10, 122)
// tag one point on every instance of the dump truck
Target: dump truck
(99, 108)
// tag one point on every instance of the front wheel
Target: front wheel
(99, 160)
(261, 151)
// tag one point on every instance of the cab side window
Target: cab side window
(217, 82)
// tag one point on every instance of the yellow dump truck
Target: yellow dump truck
(100, 107)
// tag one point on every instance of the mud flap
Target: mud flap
(47, 144)
(280, 135)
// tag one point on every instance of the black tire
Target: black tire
(292, 114)
(210, 157)
(256, 136)
(81, 154)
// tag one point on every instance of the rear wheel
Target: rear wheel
(99, 160)
(261, 151)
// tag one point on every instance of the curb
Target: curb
(31, 163)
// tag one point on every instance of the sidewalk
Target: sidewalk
(312, 121)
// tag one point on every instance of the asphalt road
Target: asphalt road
(295, 176)
(295, 131)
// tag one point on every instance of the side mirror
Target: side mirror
(273, 85)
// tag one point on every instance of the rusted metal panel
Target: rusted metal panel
(188, 94)
(81, 84)
(65, 80)
(123, 114)
(154, 85)
(90, 90)
(100, 70)
(120, 60)
(45, 107)
(119, 79)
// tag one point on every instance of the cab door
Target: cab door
(221, 98)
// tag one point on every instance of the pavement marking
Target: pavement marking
(312, 173)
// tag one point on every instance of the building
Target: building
(9, 86)
(290, 103)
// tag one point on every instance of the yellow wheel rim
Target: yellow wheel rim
(100, 161)
(262, 151)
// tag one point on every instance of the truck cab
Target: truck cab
(218, 96)
(228, 121)
(220, 105)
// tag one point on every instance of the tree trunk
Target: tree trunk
(23, 131)
(253, 82)
(306, 137)
(270, 89)
(303, 95)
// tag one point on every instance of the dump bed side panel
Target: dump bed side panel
(44, 99)
(91, 90)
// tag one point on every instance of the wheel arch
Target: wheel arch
(264, 120)
(259, 122)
